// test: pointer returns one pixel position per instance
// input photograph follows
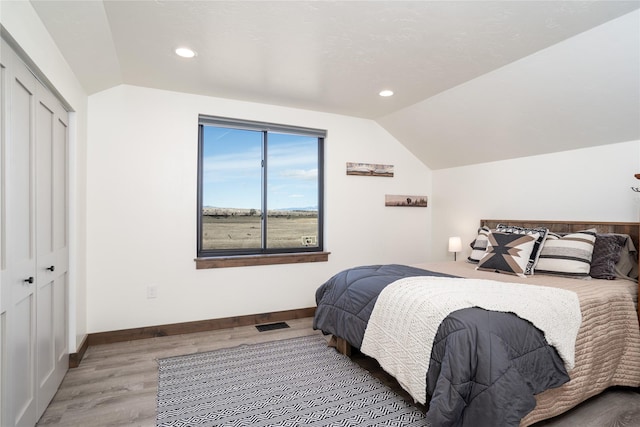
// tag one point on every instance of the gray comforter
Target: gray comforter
(485, 366)
(346, 300)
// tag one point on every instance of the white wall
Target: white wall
(141, 210)
(23, 25)
(588, 184)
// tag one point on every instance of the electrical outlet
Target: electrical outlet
(152, 291)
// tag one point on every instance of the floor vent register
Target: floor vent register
(272, 326)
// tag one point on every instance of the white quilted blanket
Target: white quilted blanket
(407, 314)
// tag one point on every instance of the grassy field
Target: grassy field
(243, 231)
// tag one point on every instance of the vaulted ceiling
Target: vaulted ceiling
(474, 81)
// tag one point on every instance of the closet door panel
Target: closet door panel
(21, 378)
(20, 235)
(52, 264)
(45, 119)
(59, 178)
(44, 326)
(20, 177)
(60, 322)
(60, 244)
(3, 180)
(4, 297)
(44, 201)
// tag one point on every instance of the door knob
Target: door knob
(29, 280)
(52, 268)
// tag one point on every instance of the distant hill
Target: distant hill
(214, 211)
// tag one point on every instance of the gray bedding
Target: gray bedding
(346, 300)
(485, 366)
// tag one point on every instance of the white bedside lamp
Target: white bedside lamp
(455, 246)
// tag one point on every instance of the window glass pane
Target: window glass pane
(231, 189)
(292, 191)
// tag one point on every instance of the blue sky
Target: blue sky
(232, 173)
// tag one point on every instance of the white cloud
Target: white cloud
(303, 174)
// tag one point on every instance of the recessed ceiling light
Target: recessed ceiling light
(386, 93)
(185, 52)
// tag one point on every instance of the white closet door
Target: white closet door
(3, 215)
(52, 355)
(34, 356)
(20, 237)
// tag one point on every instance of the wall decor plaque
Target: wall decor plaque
(403, 200)
(369, 169)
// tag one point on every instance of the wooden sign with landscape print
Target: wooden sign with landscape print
(397, 200)
(369, 169)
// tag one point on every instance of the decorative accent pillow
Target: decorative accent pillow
(507, 253)
(606, 253)
(540, 234)
(627, 267)
(479, 245)
(568, 255)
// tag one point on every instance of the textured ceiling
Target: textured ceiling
(332, 56)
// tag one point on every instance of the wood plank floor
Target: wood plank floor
(116, 384)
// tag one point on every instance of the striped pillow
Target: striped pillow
(568, 255)
(479, 245)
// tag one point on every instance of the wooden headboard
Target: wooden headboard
(630, 228)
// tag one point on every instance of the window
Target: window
(260, 188)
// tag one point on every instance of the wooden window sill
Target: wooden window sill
(248, 260)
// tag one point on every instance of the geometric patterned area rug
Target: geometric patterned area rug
(293, 382)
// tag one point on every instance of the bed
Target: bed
(606, 345)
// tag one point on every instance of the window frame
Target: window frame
(207, 258)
